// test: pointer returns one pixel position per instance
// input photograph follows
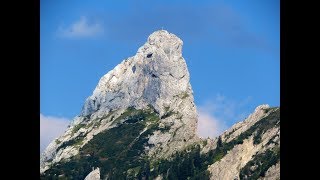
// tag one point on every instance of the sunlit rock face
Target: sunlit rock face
(157, 77)
(140, 123)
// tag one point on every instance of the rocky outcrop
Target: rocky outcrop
(93, 175)
(260, 136)
(157, 77)
(140, 123)
(242, 126)
(273, 173)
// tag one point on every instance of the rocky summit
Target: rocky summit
(140, 123)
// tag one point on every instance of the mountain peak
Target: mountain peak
(153, 83)
(162, 35)
(164, 44)
(165, 40)
(140, 123)
(157, 75)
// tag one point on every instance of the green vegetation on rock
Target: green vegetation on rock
(76, 128)
(189, 164)
(57, 141)
(119, 152)
(167, 113)
(115, 151)
(185, 95)
(73, 142)
(259, 165)
(182, 95)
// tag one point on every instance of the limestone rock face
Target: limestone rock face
(157, 76)
(93, 175)
(140, 123)
(260, 136)
(229, 166)
(242, 126)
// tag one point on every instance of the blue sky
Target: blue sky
(232, 49)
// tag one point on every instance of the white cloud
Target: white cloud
(208, 124)
(51, 128)
(218, 114)
(81, 28)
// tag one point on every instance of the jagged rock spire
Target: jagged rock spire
(156, 75)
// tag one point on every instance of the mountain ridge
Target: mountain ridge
(140, 123)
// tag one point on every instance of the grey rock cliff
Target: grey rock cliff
(142, 114)
(158, 76)
(260, 133)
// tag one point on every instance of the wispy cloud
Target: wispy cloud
(218, 114)
(81, 28)
(51, 128)
(208, 124)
